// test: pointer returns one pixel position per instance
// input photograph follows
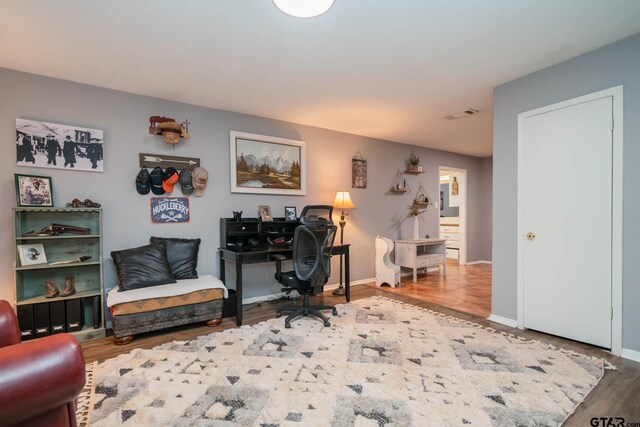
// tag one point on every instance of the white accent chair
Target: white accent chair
(386, 271)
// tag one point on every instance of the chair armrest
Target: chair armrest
(278, 258)
(37, 376)
(9, 329)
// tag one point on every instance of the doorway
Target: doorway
(453, 212)
(569, 218)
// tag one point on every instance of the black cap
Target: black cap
(156, 180)
(143, 183)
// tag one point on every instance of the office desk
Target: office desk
(421, 253)
(249, 255)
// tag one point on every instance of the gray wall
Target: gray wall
(485, 208)
(613, 65)
(124, 119)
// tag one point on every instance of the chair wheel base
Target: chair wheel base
(327, 323)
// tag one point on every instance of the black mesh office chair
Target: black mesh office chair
(311, 269)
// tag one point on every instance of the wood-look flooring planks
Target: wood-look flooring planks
(467, 291)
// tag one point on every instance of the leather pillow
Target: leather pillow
(142, 267)
(182, 255)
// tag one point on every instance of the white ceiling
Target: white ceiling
(388, 69)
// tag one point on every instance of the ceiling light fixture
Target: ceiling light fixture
(304, 8)
(462, 114)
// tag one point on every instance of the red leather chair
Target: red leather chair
(40, 379)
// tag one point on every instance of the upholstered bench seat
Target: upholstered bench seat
(158, 307)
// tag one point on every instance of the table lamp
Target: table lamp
(342, 202)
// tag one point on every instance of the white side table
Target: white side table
(421, 253)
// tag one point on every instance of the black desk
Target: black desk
(250, 255)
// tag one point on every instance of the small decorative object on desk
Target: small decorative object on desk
(290, 213)
(265, 213)
(237, 216)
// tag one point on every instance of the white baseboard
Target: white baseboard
(262, 298)
(630, 354)
(479, 262)
(353, 283)
(503, 320)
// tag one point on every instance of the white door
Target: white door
(567, 203)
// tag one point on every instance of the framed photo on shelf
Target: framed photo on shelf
(267, 164)
(32, 254)
(290, 213)
(34, 190)
(265, 213)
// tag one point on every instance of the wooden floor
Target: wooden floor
(466, 288)
(617, 394)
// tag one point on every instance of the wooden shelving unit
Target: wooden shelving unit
(30, 280)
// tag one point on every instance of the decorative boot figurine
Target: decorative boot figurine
(52, 289)
(69, 286)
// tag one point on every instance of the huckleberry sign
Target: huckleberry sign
(167, 210)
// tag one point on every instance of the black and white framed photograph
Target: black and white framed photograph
(34, 190)
(265, 213)
(50, 145)
(267, 164)
(290, 213)
(32, 254)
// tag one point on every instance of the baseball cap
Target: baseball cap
(143, 183)
(169, 178)
(186, 182)
(156, 180)
(200, 178)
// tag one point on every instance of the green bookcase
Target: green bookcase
(89, 278)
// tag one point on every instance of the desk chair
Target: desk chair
(312, 268)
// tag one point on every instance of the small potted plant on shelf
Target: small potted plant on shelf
(414, 163)
(414, 211)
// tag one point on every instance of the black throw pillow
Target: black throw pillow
(142, 267)
(182, 255)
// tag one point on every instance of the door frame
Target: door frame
(616, 213)
(462, 259)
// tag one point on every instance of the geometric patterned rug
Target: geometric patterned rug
(381, 363)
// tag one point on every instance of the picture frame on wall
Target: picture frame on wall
(32, 254)
(265, 213)
(32, 190)
(56, 146)
(290, 213)
(267, 164)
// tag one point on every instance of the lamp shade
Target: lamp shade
(303, 8)
(343, 201)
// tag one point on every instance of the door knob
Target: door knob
(531, 235)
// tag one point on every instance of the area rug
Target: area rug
(380, 363)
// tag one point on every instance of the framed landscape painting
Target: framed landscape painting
(267, 165)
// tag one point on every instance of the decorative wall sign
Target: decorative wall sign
(358, 171)
(170, 210)
(50, 145)
(267, 165)
(34, 190)
(165, 161)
